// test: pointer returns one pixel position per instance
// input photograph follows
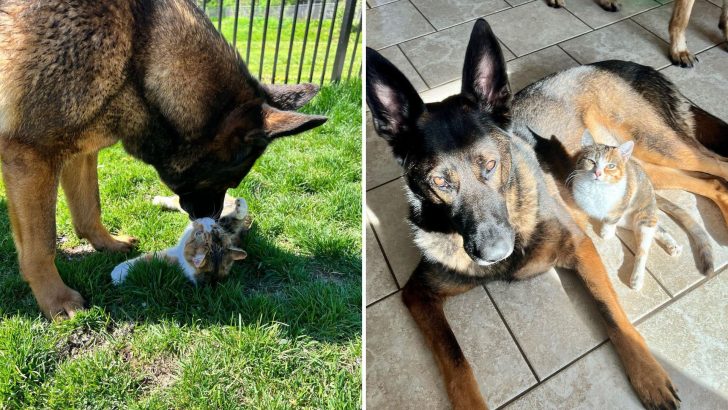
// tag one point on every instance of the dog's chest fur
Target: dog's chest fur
(598, 199)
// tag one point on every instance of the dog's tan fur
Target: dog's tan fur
(76, 77)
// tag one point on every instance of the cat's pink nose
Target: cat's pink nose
(598, 173)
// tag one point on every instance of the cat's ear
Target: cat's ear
(198, 259)
(626, 150)
(586, 138)
(238, 254)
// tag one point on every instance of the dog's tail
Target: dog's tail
(698, 235)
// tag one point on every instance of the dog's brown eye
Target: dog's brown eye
(440, 182)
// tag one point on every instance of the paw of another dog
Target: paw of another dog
(610, 5)
(556, 3)
(683, 58)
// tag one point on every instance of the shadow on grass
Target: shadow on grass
(316, 295)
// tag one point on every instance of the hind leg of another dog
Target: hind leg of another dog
(31, 184)
(81, 186)
(679, 53)
(663, 177)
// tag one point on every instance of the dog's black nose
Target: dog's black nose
(496, 251)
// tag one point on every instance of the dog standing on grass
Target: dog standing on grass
(488, 201)
(78, 76)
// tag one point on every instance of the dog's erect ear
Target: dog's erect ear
(394, 103)
(484, 74)
(290, 97)
(586, 138)
(279, 123)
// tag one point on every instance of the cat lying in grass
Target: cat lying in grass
(610, 188)
(207, 249)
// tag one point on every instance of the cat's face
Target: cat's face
(211, 253)
(602, 163)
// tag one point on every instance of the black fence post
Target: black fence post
(346, 26)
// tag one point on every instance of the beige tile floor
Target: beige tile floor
(539, 344)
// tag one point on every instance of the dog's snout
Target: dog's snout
(489, 244)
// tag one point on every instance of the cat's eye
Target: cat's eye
(441, 183)
(611, 166)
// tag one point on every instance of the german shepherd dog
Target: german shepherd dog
(485, 199)
(679, 53)
(78, 76)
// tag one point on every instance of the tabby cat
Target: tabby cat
(207, 249)
(610, 188)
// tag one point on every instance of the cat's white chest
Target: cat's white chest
(598, 199)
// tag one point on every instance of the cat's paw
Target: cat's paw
(608, 231)
(637, 281)
(120, 272)
(241, 208)
(674, 249)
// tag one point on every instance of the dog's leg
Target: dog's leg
(723, 22)
(649, 380)
(669, 178)
(426, 307)
(31, 183)
(679, 53)
(81, 186)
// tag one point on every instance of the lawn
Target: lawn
(283, 331)
(297, 64)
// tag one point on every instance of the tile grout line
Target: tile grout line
(637, 322)
(387, 296)
(566, 366)
(406, 57)
(384, 255)
(423, 16)
(510, 332)
(376, 302)
(679, 296)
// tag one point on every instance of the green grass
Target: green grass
(296, 63)
(283, 331)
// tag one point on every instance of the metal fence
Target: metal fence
(292, 40)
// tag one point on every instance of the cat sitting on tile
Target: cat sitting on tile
(610, 188)
(207, 249)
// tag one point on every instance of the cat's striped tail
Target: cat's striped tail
(703, 252)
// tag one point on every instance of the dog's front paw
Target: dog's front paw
(652, 384)
(556, 3)
(116, 243)
(58, 301)
(120, 272)
(683, 58)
